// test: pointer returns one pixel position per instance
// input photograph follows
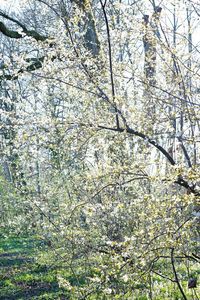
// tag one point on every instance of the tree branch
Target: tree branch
(110, 58)
(180, 181)
(163, 276)
(145, 138)
(196, 256)
(15, 34)
(185, 152)
(35, 63)
(176, 276)
(10, 33)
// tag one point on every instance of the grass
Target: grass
(22, 277)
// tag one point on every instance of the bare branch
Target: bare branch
(110, 58)
(10, 33)
(176, 276)
(15, 34)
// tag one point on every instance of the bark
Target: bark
(149, 41)
(10, 33)
(15, 34)
(91, 40)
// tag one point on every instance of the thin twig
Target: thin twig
(176, 276)
(110, 58)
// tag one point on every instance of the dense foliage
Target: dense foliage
(100, 142)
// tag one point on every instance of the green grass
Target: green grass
(23, 277)
(20, 276)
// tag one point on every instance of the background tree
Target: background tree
(106, 136)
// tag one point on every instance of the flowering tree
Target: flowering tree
(106, 137)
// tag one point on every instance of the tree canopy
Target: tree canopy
(100, 139)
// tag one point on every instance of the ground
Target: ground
(21, 277)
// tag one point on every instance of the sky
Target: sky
(9, 4)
